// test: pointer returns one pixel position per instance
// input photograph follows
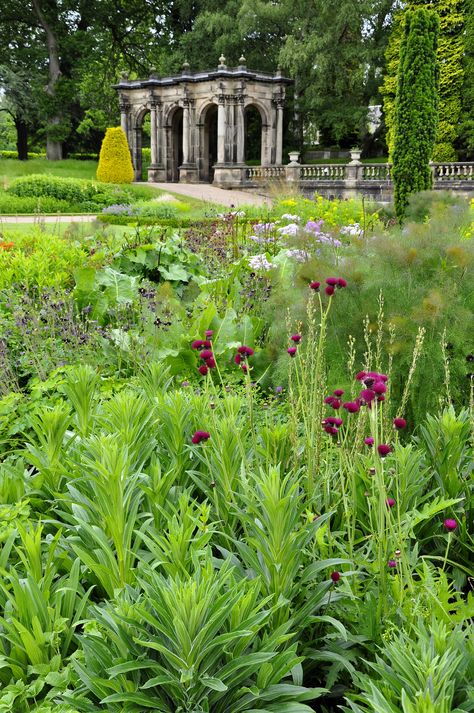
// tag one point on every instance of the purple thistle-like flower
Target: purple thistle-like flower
(399, 423)
(206, 354)
(338, 392)
(351, 406)
(369, 441)
(367, 395)
(329, 290)
(292, 351)
(335, 576)
(379, 388)
(392, 564)
(450, 524)
(384, 449)
(390, 502)
(200, 436)
(315, 285)
(203, 369)
(296, 338)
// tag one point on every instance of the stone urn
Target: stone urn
(294, 158)
(355, 155)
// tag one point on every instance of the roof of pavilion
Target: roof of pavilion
(186, 76)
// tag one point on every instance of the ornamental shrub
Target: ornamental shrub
(115, 163)
(416, 110)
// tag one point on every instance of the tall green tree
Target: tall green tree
(451, 47)
(416, 107)
(467, 114)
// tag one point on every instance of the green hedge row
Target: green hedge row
(32, 154)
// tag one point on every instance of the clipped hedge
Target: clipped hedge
(88, 195)
(115, 164)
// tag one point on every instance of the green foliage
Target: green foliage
(453, 45)
(416, 110)
(115, 163)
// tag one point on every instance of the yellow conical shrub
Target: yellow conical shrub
(115, 164)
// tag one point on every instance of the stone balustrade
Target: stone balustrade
(373, 180)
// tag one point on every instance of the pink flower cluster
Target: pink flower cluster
(204, 346)
(199, 436)
(332, 283)
(242, 355)
(296, 339)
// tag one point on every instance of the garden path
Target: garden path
(206, 192)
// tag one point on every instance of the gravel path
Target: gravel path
(206, 192)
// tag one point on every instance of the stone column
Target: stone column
(124, 120)
(221, 129)
(153, 133)
(186, 133)
(279, 134)
(137, 152)
(240, 130)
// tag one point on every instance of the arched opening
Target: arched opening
(253, 136)
(141, 149)
(209, 144)
(176, 143)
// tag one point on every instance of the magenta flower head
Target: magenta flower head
(351, 406)
(245, 351)
(399, 423)
(203, 369)
(244, 367)
(332, 430)
(207, 344)
(392, 564)
(208, 333)
(369, 441)
(211, 363)
(384, 449)
(206, 354)
(361, 375)
(335, 576)
(379, 388)
(237, 359)
(315, 285)
(390, 502)
(341, 282)
(367, 395)
(329, 290)
(450, 524)
(296, 338)
(333, 421)
(292, 351)
(200, 436)
(332, 281)
(197, 344)
(338, 392)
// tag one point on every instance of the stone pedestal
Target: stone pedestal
(188, 173)
(156, 174)
(229, 175)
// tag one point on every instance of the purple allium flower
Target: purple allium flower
(384, 449)
(329, 290)
(367, 395)
(399, 423)
(392, 564)
(369, 441)
(296, 338)
(292, 351)
(390, 502)
(203, 369)
(200, 436)
(351, 406)
(315, 285)
(338, 392)
(335, 576)
(450, 524)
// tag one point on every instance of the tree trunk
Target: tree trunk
(54, 148)
(21, 139)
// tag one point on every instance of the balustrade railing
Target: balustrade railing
(255, 173)
(453, 171)
(322, 172)
(356, 173)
